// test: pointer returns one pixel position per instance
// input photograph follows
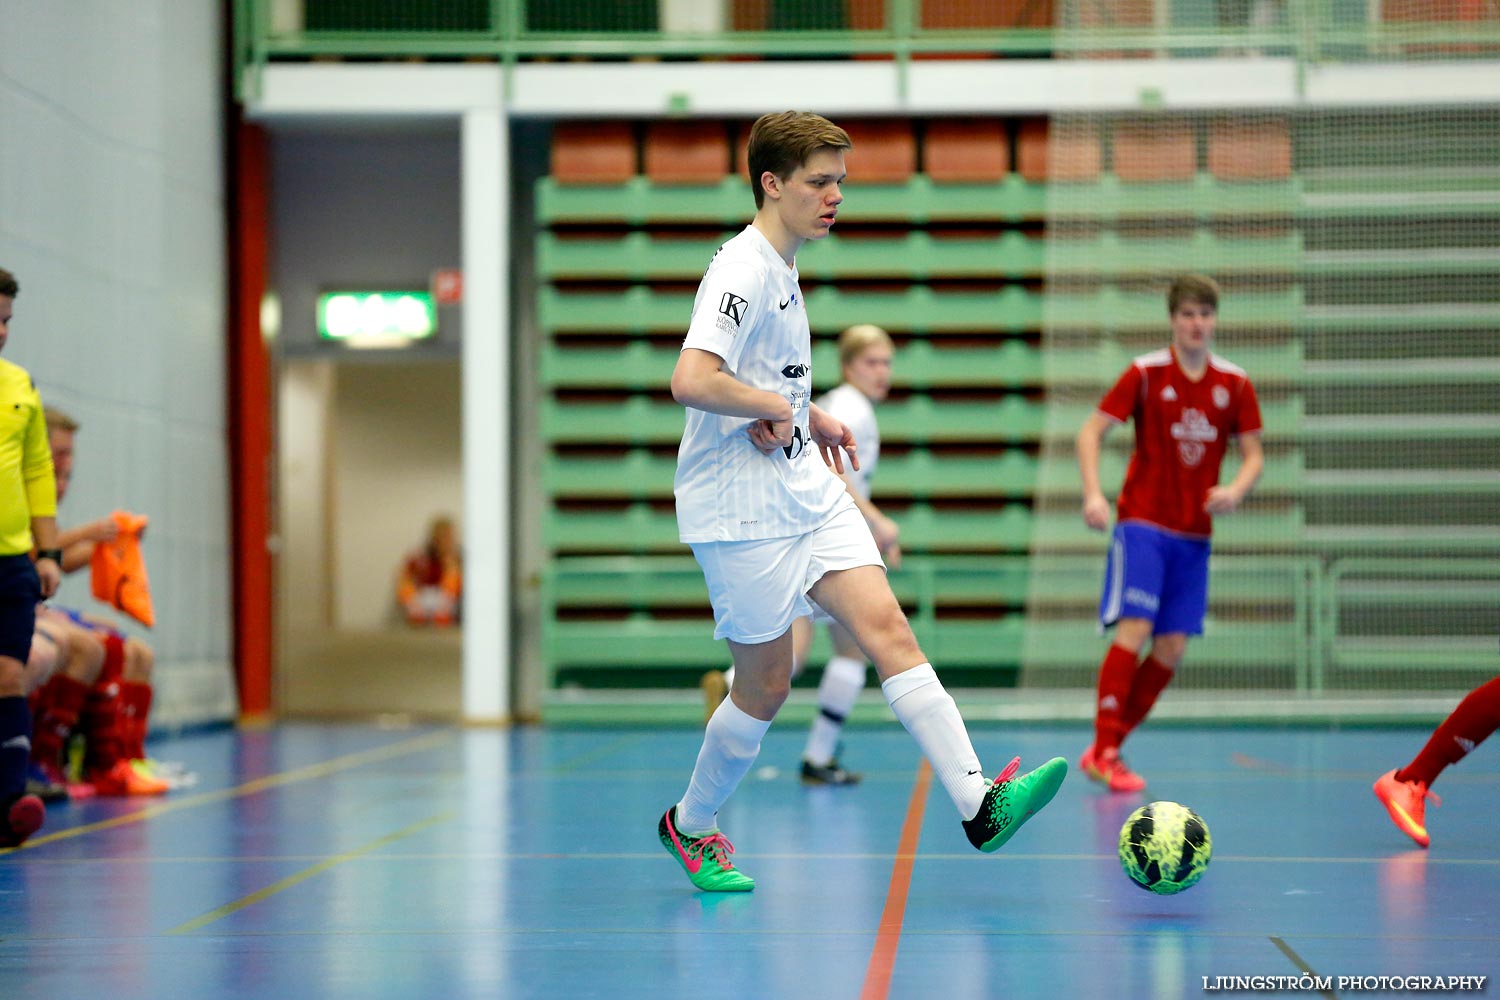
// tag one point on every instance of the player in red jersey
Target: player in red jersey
(1186, 403)
(1404, 791)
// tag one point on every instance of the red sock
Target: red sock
(57, 708)
(101, 714)
(114, 660)
(1475, 718)
(135, 706)
(1115, 676)
(1150, 681)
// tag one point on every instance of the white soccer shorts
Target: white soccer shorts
(759, 587)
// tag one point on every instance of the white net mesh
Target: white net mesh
(1357, 252)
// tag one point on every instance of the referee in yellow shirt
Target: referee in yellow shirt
(28, 509)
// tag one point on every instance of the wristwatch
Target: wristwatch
(54, 554)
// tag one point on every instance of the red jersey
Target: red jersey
(1182, 429)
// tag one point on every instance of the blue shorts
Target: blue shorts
(1156, 575)
(78, 618)
(19, 591)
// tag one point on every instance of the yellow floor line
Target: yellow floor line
(161, 807)
(307, 873)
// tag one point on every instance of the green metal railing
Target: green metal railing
(1313, 31)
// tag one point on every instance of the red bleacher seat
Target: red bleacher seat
(966, 150)
(1066, 152)
(885, 150)
(1155, 150)
(1255, 150)
(939, 14)
(686, 152)
(593, 152)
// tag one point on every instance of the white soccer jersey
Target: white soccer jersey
(749, 311)
(855, 410)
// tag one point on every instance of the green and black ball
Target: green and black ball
(1165, 847)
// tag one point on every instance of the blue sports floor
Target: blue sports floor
(321, 861)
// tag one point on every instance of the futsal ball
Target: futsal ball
(1164, 847)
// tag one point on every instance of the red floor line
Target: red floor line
(888, 937)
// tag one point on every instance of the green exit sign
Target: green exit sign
(389, 318)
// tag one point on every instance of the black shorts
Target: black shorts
(20, 590)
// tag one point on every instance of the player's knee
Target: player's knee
(41, 663)
(1167, 650)
(139, 659)
(85, 655)
(12, 677)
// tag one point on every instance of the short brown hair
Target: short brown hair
(860, 338)
(59, 419)
(1198, 288)
(783, 141)
(8, 284)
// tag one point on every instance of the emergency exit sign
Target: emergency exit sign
(376, 316)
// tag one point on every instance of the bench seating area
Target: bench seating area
(975, 241)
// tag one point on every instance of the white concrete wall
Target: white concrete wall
(112, 217)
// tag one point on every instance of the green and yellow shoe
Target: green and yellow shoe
(705, 858)
(1011, 801)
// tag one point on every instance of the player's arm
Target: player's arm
(700, 381)
(1088, 444)
(41, 499)
(78, 543)
(1226, 497)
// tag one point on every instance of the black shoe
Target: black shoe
(827, 774)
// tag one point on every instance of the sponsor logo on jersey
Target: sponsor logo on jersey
(1191, 434)
(733, 306)
(796, 371)
(798, 447)
(1169, 395)
(788, 301)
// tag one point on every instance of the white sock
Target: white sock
(731, 742)
(843, 679)
(927, 711)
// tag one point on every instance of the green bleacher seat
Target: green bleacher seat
(1057, 475)
(641, 528)
(637, 420)
(1110, 254)
(1011, 419)
(636, 256)
(639, 201)
(921, 364)
(625, 581)
(1282, 419)
(641, 474)
(1403, 427)
(1405, 654)
(920, 201)
(1246, 530)
(919, 310)
(1204, 197)
(1074, 644)
(635, 474)
(920, 473)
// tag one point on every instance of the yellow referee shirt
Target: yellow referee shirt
(27, 486)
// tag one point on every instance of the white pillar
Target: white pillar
(486, 415)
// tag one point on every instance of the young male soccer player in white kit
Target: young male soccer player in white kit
(776, 532)
(865, 353)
